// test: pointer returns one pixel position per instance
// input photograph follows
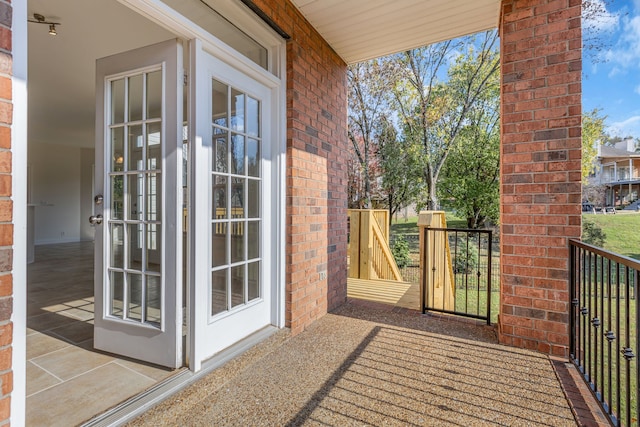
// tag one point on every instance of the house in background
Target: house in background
(239, 107)
(618, 169)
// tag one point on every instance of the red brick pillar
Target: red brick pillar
(6, 212)
(540, 169)
(316, 232)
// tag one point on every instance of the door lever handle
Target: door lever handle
(95, 219)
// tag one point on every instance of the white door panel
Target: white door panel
(231, 291)
(138, 251)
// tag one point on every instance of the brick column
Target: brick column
(6, 212)
(540, 169)
(316, 233)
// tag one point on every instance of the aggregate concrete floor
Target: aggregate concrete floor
(364, 366)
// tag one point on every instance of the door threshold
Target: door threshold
(140, 403)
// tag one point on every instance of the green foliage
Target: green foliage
(465, 256)
(593, 234)
(401, 167)
(593, 135)
(400, 251)
(469, 182)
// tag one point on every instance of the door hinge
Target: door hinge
(185, 78)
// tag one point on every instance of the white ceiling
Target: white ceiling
(61, 68)
(364, 29)
(61, 79)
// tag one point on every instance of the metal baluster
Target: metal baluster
(489, 273)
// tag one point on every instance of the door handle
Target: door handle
(95, 219)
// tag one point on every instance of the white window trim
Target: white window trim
(19, 196)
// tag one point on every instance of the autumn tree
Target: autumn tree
(438, 88)
(401, 168)
(368, 96)
(470, 181)
(593, 135)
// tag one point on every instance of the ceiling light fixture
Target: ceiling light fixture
(40, 19)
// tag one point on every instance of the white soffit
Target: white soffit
(359, 30)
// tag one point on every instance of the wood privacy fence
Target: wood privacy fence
(370, 256)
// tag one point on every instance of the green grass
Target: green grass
(410, 225)
(622, 231)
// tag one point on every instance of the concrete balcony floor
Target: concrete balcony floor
(370, 364)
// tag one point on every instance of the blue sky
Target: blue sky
(612, 82)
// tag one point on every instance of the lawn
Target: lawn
(622, 232)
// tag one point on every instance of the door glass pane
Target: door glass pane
(237, 242)
(136, 233)
(117, 149)
(134, 307)
(237, 110)
(154, 254)
(154, 299)
(237, 285)
(219, 197)
(219, 244)
(117, 246)
(117, 101)
(237, 154)
(253, 157)
(117, 197)
(154, 95)
(219, 102)
(135, 190)
(253, 199)
(135, 145)
(116, 288)
(253, 117)
(154, 149)
(136, 86)
(218, 291)
(220, 153)
(154, 197)
(253, 280)
(253, 239)
(237, 198)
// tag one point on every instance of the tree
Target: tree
(593, 135)
(432, 112)
(470, 181)
(368, 92)
(401, 169)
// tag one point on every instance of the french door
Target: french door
(231, 196)
(138, 244)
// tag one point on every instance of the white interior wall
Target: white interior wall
(87, 159)
(61, 192)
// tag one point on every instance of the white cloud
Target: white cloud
(630, 126)
(626, 52)
(596, 17)
(637, 90)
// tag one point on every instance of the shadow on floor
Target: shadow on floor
(361, 365)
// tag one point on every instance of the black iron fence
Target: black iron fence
(603, 328)
(458, 281)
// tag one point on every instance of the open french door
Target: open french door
(231, 192)
(138, 211)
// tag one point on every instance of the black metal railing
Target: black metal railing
(468, 264)
(603, 328)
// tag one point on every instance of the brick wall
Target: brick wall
(540, 181)
(316, 245)
(6, 212)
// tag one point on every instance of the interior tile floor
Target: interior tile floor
(69, 382)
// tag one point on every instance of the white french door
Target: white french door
(231, 194)
(138, 245)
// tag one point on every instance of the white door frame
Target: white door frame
(182, 27)
(246, 20)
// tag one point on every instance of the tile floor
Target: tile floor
(67, 381)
